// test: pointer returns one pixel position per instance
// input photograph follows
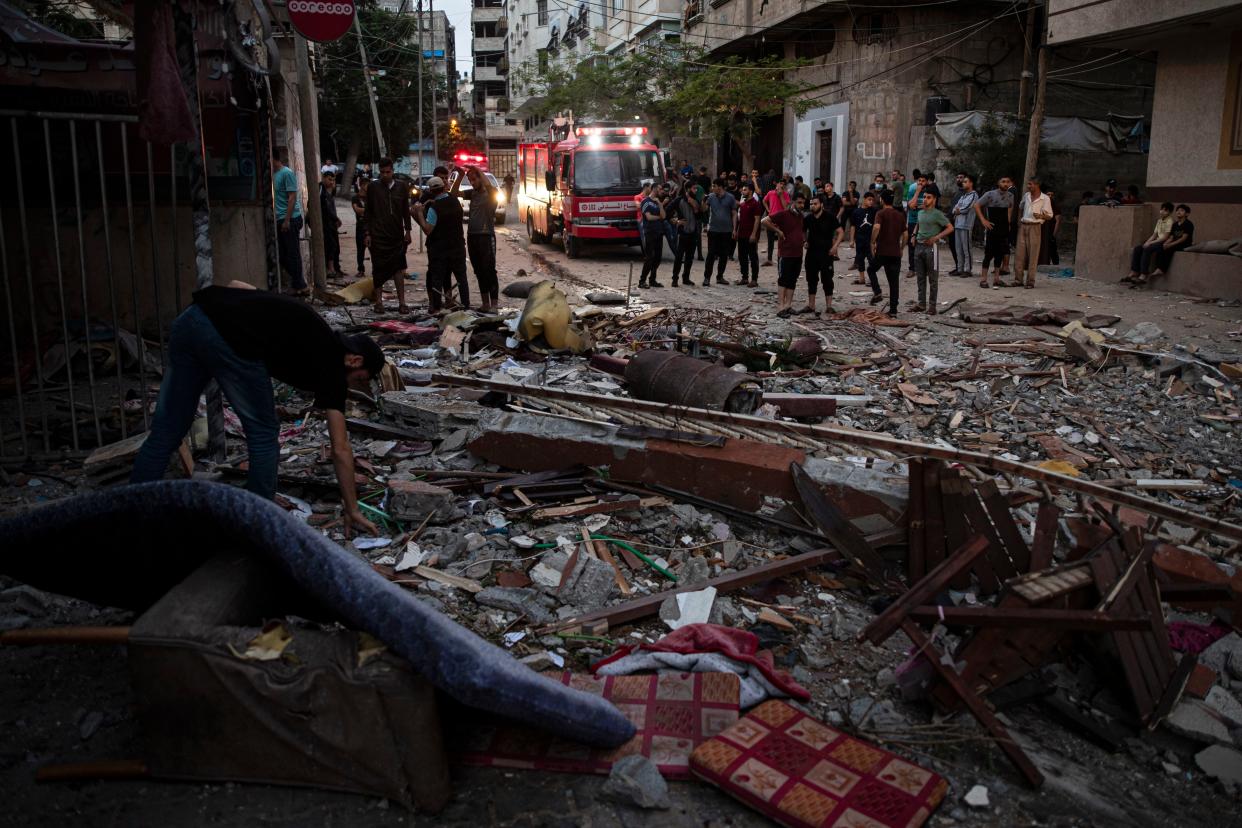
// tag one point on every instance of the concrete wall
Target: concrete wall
(1187, 119)
(1073, 20)
(885, 93)
(237, 253)
(1107, 234)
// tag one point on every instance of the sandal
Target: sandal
(802, 311)
(983, 283)
(786, 313)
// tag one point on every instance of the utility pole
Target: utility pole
(310, 158)
(419, 22)
(366, 78)
(1037, 117)
(435, 106)
(1028, 47)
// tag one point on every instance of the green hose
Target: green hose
(648, 561)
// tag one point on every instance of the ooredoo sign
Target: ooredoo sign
(321, 20)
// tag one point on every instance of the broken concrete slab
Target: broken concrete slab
(1221, 763)
(431, 416)
(1196, 720)
(591, 583)
(635, 780)
(523, 601)
(417, 500)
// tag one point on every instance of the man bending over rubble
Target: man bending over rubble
(241, 338)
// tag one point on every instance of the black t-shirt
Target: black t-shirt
(833, 204)
(285, 334)
(863, 219)
(820, 231)
(360, 201)
(1184, 228)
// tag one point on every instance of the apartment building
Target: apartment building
(437, 39)
(879, 75)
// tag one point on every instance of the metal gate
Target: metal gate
(91, 257)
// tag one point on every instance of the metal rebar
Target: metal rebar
(86, 313)
(155, 251)
(116, 322)
(60, 280)
(17, 372)
(133, 281)
(34, 319)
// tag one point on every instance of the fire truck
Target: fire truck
(583, 182)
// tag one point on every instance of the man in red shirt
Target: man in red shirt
(787, 225)
(888, 239)
(748, 236)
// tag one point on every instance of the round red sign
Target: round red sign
(321, 20)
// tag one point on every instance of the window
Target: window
(874, 28)
(542, 57)
(618, 6)
(562, 177)
(528, 169)
(541, 12)
(601, 172)
(818, 47)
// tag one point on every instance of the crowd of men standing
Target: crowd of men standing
(807, 224)
(385, 211)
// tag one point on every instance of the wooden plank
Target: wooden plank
(837, 527)
(1020, 617)
(1002, 518)
(888, 622)
(980, 523)
(956, 532)
(1173, 689)
(978, 708)
(650, 604)
(1045, 535)
(1040, 587)
(933, 521)
(1105, 569)
(916, 562)
(444, 578)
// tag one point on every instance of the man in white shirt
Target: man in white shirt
(1036, 209)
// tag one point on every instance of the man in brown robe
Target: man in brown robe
(388, 234)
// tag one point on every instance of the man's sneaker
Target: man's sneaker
(707, 283)
(642, 285)
(687, 283)
(655, 284)
(720, 281)
(917, 308)
(877, 298)
(767, 263)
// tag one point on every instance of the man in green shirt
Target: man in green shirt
(288, 221)
(933, 226)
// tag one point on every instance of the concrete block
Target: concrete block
(591, 583)
(431, 416)
(413, 500)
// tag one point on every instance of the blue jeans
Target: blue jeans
(197, 354)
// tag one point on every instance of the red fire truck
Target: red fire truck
(582, 183)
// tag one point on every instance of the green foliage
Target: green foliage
(996, 148)
(391, 42)
(677, 84)
(60, 16)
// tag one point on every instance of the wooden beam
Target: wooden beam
(977, 706)
(837, 527)
(888, 622)
(1045, 535)
(1047, 618)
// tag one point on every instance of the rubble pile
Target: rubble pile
(946, 534)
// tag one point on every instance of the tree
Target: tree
(995, 148)
(732, 96)
(677, 84)
(391, 42)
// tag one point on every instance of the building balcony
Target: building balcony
(488, 44)
(486, 73)
(487, 14)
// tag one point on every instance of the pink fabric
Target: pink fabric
(163, 112)
(1188, 637)
(739, 645)
(776, 200)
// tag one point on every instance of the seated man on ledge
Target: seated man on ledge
(242, 338)
(1181, 236)
(1143, 256)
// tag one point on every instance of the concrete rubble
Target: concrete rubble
(549, 514)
